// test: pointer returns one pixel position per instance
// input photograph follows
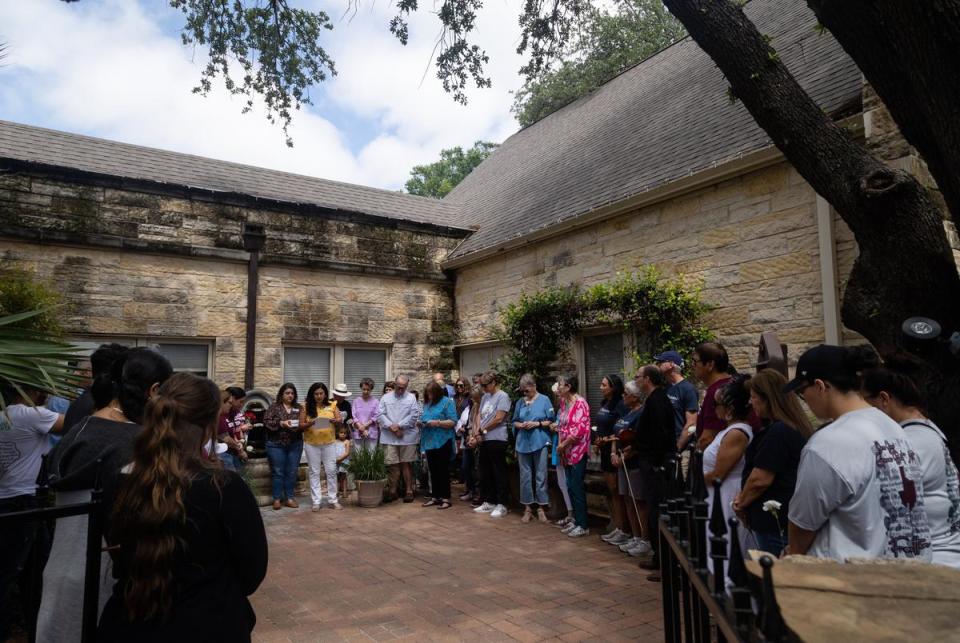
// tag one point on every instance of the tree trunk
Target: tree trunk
(905, 266)
(910, 52)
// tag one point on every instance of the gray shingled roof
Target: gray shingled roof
(99, 156)
(664, 119)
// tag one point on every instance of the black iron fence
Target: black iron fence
(42, 518)
(707, 593)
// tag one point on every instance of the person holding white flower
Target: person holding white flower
(771, 460)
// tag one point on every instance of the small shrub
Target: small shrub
(367, 464)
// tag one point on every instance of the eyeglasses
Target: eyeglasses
(799, 391)
(461, 385)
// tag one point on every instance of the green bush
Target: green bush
(367, 464)
(20, 291)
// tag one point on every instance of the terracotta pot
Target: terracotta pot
(370, 492)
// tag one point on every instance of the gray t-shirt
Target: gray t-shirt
(941, 489)
(490, 403)
(23, 442)
(860, 487)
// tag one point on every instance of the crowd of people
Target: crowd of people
(185, 535)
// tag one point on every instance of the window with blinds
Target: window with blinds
(359, 363)
(304, 366)
(603, 355)
(190, 358)
(478, 360)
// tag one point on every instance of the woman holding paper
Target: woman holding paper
(284, 445)
(317, 418)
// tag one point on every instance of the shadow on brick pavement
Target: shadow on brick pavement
(401, 571)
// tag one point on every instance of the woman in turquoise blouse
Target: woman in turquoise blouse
(436, 440)
(531, 420)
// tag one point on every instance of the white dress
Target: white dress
(730, 486)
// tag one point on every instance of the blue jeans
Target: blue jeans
(230, 461)
(533, 474)
(772, 543)
(575, 474)
(466, 470)
(284, 461)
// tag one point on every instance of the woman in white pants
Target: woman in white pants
(318, 418)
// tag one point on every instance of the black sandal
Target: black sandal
(444, 504)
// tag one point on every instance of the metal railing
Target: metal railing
(702, 603)
(91, 581)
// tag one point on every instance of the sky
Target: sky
(117, 69)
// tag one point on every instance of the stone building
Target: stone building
(656, 167)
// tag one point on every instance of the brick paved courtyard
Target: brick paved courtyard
(405, 572)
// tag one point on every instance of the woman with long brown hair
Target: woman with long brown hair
(188, 541)
(771, 460)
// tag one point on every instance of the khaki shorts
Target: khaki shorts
(395, 454)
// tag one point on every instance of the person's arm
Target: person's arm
(246, 537)
(382, 420)
(271, 419)
(337, 418)
(685, 435)
(758, 482)
(517, 423)
(799, 540)
(731, 450)
(578, 425)
(303, 416)
(346, 452)
(58, 424)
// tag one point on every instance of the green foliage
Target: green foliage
(665, 313)
(606, 44)
(29, 358)
(20, 292)
(437, 179)
(366, 464)
(276, 47)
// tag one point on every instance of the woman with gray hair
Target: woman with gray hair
(532, 415)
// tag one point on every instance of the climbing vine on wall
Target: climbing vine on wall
(665, 313)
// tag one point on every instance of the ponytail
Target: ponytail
(149, 512)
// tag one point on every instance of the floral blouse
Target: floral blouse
(277, 433)
(575, 423)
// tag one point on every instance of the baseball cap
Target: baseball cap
(669, 356)
(817, 363)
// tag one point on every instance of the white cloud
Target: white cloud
(106, 68)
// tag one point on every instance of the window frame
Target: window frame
(336, 367)
(150, 341)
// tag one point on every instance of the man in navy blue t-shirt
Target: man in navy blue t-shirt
(682, 394)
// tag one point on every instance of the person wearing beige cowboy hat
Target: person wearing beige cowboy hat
(341, 395)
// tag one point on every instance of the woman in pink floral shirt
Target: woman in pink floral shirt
(573, 425)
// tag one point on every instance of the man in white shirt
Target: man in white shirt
(24, 429)
(399, 435)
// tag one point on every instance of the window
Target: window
(191, 356)
(602, 356)
(304, 365)
(479, 360)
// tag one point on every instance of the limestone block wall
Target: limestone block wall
(111, 294)
(750, 242)
(153, 266)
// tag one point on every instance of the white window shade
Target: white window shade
(478, 360)
(304, 366)
(192, 358)
(603, 355)
(359, 363)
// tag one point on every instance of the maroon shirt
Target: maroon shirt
(707, 417)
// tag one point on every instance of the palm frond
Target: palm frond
(31, 360)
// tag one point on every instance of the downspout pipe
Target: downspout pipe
(254, 239)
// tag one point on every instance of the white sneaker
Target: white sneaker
(613, 533)
(485, 508)
(633, 542)
(578, 532)
(641, 548)
(498, 512)
(569, 528)
(619, 540)
(563, 522)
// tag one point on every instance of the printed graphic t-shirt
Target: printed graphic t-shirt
(23, 442)
(860, 487)
(490, 403)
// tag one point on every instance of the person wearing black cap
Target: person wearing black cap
(859, 490)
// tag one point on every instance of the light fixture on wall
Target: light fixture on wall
(921, 330)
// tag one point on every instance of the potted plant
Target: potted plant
(369, 471)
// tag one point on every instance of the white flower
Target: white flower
(593, 428)
(771, 505)
(249, 449)
(692, 430)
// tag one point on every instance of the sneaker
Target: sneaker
(466, 496)
(640, 549)
(563, 522)
(578, 532)
(611, 535)
(569, 528)
(630, 544)
(485, 508)
(542, 515)
(620, 540)
(336, 505)
(498, 512)
(315, 508)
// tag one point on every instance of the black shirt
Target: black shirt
(775, 448)
(220, 560)
(656, 437)
(78, 409)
